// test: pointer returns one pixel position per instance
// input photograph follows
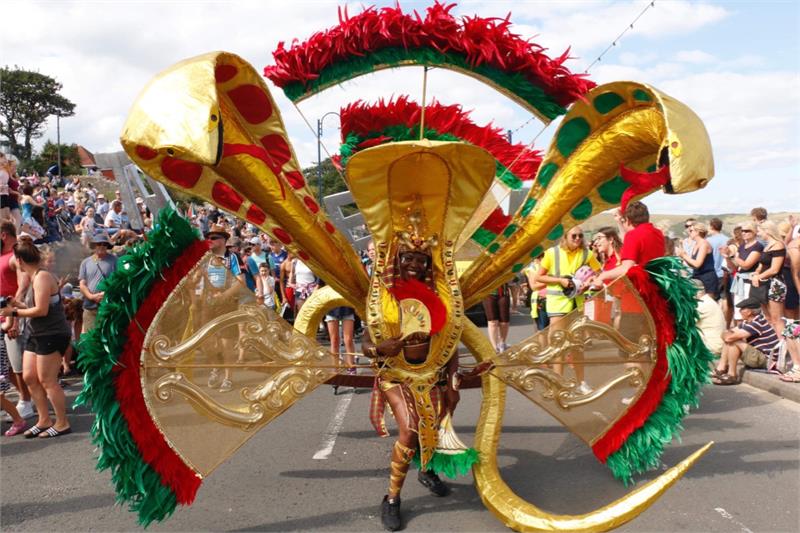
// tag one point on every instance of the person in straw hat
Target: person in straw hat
(93, 270)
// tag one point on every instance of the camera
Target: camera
(4, 301)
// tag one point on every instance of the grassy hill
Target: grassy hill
(675, 222)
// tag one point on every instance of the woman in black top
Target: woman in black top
(743, 261)
(49, 338)
(769, 273)
(701, 259)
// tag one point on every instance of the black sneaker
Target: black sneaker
(430, 480)
(390, 514)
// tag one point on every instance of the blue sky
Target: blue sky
(737, 64)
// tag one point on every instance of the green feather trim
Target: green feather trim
(125, 290)
(516, 83)
(451, 465)
(689, 361)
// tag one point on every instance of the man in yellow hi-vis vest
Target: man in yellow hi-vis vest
(556, 269)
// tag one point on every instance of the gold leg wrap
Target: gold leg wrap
(401, 459)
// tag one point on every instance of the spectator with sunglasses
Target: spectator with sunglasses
(558, 266)
(701, 259)
(744, 260)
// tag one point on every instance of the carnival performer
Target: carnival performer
(414, 262)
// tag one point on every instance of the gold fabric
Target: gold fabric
(521, 515)
(401, 460)
(200, 336)
(445, 181)
(184, 130)
(631, 134)
(609, 344)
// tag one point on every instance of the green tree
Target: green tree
(27, 99)
(332, 181)
(70, 159)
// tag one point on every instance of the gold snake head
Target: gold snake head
(688, 146)
(177, 114)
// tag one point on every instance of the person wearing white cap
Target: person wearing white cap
(102, 206)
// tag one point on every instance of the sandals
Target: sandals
(792, 376)
(34, 431)
(725, 379)
(16, 428)
(52, 432)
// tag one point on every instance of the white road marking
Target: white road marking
(329, 439)
(729, 516)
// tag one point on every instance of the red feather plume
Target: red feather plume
(413, 288)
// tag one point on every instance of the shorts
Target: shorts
(47, 344)
(777, 291)
(340, 313)
(497, 308)
(14, 352)
(754, 358)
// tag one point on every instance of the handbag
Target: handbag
(760, 292)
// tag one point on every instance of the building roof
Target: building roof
(86, 157)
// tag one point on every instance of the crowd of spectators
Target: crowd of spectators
(747, 283)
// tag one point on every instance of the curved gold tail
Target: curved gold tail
(521, 515)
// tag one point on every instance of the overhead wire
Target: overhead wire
(598, 59)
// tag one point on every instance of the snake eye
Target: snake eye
(170, 151)
(213, 117)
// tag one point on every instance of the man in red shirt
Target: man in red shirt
(642, 243)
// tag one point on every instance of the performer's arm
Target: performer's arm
(452, 396)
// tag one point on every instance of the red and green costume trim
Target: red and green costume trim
(146, 472)
(635, 443)
(365, 126)
(386, 37)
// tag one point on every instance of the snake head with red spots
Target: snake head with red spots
(209, 126)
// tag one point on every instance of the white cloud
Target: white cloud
(751, 109)
(694, 56)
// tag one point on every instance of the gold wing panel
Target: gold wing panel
(216, 367)
(609, 346)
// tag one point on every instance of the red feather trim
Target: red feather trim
(413, 288)
(175, 474)
(660, 379)
(368, 119)
(480, 40)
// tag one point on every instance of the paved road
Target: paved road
(750, 481)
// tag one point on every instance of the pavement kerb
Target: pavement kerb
(770, 383)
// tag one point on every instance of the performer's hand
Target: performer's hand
(451, 398)
(390, 347)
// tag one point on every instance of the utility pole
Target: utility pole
(509, 134)
(58, 142)
(319, 152)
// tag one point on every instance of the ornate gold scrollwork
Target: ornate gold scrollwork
(292, 364)
(564, 390)
(177, 382)
(555, 347)
(551, 346)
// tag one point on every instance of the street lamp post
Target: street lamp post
(58, 143)
(319, 151)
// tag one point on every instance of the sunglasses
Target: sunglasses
(215, 237)
(576, 236)
(747, 231)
